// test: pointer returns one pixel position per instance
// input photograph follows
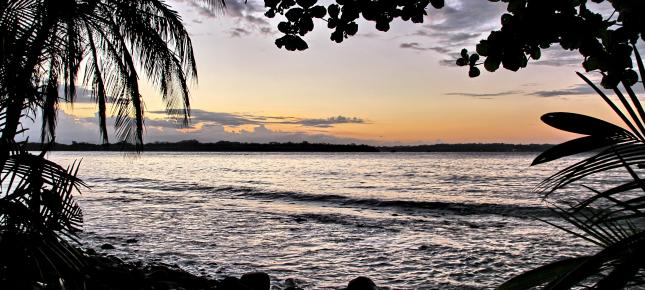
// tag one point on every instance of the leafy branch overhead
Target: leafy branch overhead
(529, 26)
(342, 17)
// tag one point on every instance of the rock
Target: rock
(361, 283)
(109, 273)
(256, 281)
(290, 284)
(107, 247)
(160, 274)
(131, 241)
(231, 283)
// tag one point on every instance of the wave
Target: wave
(121, 179)
(458, 208)
(436, 206)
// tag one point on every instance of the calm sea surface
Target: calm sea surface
(408, 221)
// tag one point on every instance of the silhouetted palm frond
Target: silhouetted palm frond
(612, 218)
(47, 44)
(38, 218)
(46, 47)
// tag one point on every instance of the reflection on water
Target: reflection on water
(435, 220)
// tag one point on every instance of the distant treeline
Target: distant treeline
(225, 146)
(221, 146)
(470, 147)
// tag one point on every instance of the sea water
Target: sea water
(406, 220)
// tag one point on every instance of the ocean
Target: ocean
(406, 220)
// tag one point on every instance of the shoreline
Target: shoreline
(304, 147)
(109, 272)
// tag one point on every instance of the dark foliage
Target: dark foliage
(341, 17)
(106, 45)
(38, 219)
(528, 27)
(613, 218)
(45, 44)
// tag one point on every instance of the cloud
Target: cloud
(368, 34)
(202, 9)
(573, 91)
(556, 56)
(241, 8)
(208, 127)
(83, 95)
(411, 45)
(560, 61)
(201, 117)
(239, 32)
(484, 95)
(257, 20)
(267, 31)
(579, 90)
(248, 16)
(330, 122)
(69, 128)
(461, 23)
(451, 62)
(417, 46)
(449, 37)
(466, 16)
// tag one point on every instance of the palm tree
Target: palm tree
(48, 43)
(611, 218)
(105, 45)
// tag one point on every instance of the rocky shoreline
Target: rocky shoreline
(108, 272)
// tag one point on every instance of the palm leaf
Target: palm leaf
(612, 105)
(542, 275)
(613, 218)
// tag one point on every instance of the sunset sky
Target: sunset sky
(398, 87)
